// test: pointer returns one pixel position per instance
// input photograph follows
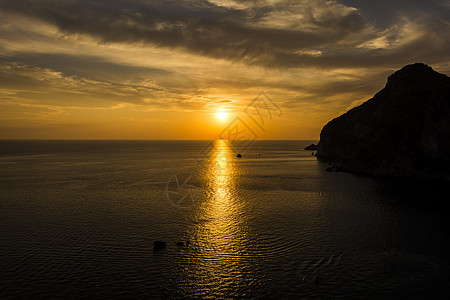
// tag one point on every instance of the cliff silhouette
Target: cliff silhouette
(404, 130)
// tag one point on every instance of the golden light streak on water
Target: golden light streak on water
(220, 233)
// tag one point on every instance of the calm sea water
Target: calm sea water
(79, 218)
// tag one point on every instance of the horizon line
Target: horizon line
(103, 139)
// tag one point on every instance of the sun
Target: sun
(221, 115)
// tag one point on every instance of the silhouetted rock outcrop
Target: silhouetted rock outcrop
(158, 245)
(311, 147)
(404, 130)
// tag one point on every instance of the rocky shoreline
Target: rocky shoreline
(404, 130)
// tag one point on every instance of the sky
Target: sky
(185, 69)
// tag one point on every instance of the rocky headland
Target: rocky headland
(404, 130)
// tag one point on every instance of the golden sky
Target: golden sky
(135, 69)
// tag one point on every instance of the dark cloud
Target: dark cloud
(92, 67)
(386, 12)
(50, 87)
(203, 28)
(200, 27)
(89, 67)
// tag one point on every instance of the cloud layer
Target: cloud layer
(283, 34)
(317, 56)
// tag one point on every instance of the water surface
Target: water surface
(78, 219)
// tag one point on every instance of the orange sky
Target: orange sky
(164, 69)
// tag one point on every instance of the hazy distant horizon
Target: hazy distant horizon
(149, 139)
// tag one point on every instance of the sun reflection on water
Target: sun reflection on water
(219, 233)
(221, 181)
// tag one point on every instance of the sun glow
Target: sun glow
(222, 115)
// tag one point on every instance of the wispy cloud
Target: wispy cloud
(197, 55)
(255, 34)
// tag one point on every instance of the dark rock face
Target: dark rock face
(311, 147)
(158, 245)
(404, 130)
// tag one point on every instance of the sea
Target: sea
(79, 219)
